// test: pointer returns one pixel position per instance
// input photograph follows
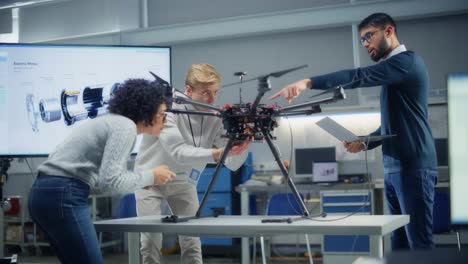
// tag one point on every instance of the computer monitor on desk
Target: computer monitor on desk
(304, 159)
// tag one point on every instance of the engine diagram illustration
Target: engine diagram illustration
(72, 105)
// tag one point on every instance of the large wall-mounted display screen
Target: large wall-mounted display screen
(46, 90)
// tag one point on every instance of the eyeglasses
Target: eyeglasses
(367, 37)
(205, 93)
(209, 94)
(163, 115)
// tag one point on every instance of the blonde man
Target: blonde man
(187, 144)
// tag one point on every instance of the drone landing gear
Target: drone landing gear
(254, 122)
(177, 219)
(292, 186)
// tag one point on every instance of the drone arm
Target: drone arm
(315, 109)
(192, 112)
(338, 94)
(308, 104)
(183, 100)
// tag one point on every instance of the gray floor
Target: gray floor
(123, 259)
(115, 255)
(117, 259)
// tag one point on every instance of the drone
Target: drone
(254, 122)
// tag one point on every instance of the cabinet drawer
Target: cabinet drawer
(346, 202)
(347, 209)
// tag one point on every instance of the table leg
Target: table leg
(245, 240)
(133, 248)
(376, 246)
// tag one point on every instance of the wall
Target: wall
(323, 50)
(77, 18)
(180, 11)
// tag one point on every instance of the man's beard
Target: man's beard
(381, 51)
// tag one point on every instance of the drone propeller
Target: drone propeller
(163, 82)
(281, 73)
(167, 93)
(273, 74)
(159, 79)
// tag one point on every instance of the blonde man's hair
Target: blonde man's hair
(202, 74)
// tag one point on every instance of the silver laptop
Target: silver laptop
(343, 134)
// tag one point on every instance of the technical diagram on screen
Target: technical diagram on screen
(46, 90)
(74, 105)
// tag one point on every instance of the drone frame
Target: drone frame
(236, 119)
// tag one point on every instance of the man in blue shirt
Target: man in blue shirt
(409, 158)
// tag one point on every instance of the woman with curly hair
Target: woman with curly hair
(94, 157)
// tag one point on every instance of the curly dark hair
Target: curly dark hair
(137, 99)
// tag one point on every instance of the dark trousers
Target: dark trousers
(412, 192)
(59, 206)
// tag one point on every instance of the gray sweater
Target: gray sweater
(182, 150)
(96, 152)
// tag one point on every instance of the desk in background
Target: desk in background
(264, 191)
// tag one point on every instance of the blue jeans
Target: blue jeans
(59, 206)
(412, 192)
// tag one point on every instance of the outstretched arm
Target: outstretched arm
(392, 70)
(293, 90)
